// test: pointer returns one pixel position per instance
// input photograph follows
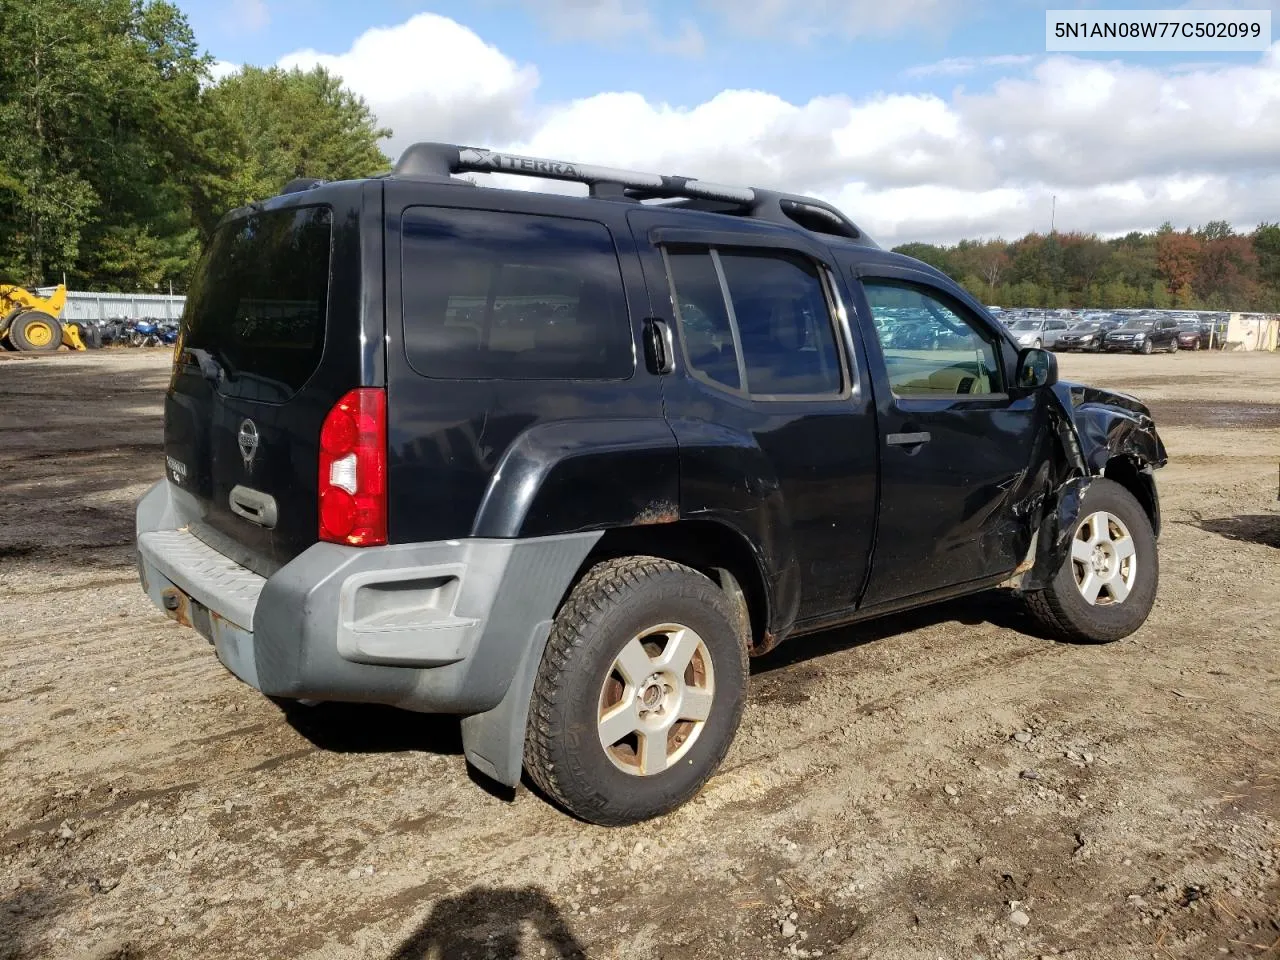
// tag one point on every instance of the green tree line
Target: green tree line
(119, 152)
(1210, 268)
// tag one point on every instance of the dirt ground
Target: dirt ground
(941, 785)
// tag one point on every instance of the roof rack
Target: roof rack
(441, 160)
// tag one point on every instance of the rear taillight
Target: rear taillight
(353, 470)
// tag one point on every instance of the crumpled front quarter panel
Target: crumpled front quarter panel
(1094, 427)
(1113, 424)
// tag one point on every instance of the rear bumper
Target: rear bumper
(436, 627)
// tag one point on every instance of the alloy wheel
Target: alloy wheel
(656, 699)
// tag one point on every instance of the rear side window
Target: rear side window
(258, 300)
(512, 296)
(755, 315)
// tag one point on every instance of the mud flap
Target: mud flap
(493, 741)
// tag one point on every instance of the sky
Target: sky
(926, 120)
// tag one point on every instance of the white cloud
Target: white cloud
(1122, 146)
(593, 19)
(431, 78)
(250, 15)
(221, 69)
(805, 20)
(610, 21)
(687, 43)
(955, 66)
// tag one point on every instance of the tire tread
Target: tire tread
(602, 588)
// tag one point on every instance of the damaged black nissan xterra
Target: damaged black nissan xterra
(559, 465)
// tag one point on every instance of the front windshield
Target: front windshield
(1086, 327)
(1026, 325)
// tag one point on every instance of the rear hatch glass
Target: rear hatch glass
(241, 432)
(257, 305)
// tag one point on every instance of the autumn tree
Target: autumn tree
(1083, 257)
(1177, 256)
(1226, 270)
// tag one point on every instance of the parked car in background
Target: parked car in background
(1143, 335)
(1038, 332)
(1193, 335)
(1087, 335)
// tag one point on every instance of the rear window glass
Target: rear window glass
(512, 296)
(257, 303)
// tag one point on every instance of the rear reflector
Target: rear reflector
(353, 470)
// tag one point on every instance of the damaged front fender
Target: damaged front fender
(1099, 433)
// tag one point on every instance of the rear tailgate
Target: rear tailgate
(271, 338)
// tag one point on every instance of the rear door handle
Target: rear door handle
(254, 506)
(659, 350)
(907, 439)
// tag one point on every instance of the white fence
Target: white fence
(122, 306)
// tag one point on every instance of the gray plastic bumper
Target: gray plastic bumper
(441, 627)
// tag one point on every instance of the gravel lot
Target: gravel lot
(939, 785)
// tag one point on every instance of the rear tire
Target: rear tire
(608, 675)
(1115, 533)
(35, 332)
(1173, 347)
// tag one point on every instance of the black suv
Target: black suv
(1087, 335)
(1143, 335)
(560, 465)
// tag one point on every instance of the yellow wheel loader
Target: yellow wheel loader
(31, 323)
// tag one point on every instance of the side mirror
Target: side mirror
(1036, 368)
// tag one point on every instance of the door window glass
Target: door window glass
(930, 349)
(776, 341)
(784, 325)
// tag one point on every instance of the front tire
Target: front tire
(1107, 584)
(1173, 347)
(639, 692)
(1147, 347)
(35, 332)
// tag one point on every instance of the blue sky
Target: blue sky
(262, 31)
(933, 118)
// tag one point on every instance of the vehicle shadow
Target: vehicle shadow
(999, 608)
(486, 922)
(1263, 529)
(374, 728)
(371, 728)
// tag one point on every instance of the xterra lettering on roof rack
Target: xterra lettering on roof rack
(442, 160)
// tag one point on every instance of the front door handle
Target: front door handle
(907, 439)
